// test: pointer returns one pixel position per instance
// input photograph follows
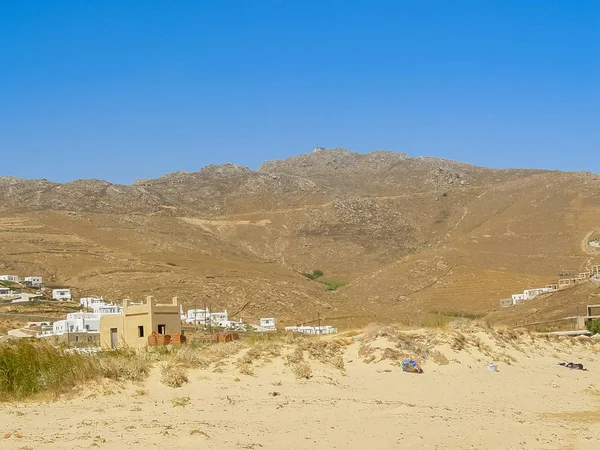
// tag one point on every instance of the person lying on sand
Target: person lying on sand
(576, 366)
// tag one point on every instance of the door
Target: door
(114, 338)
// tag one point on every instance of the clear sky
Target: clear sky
(125, 89)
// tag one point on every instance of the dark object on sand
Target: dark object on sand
(575, 366)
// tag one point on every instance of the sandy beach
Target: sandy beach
(531, 402)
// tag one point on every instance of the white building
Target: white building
(204, 317)
(532, 293)
(90, 302)
(233, 325)
(326, 329)
(12, 278)
(196, 316)
(529, 294)
(61, 294)
(82, 321)
(104, 308)
(33, 281)
(77, 322)
(219, 319)
(5, 292)
(517, 298)
(266, 324)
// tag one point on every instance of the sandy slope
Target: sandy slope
(532, 403)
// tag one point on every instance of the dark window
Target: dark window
(141, 331)
(162, 329)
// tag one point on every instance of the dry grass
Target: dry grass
(123, 365)
(173, 374)
(438, 357)
(325, 351)
(300, 368)
(29, 367)
(181, 402)
(261, 351)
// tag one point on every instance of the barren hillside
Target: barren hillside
(406, 235)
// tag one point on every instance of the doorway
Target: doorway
(162, 329)
(114, 338)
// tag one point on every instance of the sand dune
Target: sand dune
(455, 404)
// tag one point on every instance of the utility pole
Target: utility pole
(319, 320)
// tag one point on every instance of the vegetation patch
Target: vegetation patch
(29, 367)
(333, 285)
(593, 326)
(173, 375)
(299, 367)
(458, 314)
(314, 275)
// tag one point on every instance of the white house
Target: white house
(77, 322)
(82, 321)
(529, 294)
(233, 325)
(12, 278)
(33, 281)
(5, 292)
(90, 302)
(204, 317)
(266, 324)
(219, 318)
(197, 316)
(517, 298)
(532, 293)
(326, 329)
(61, 294)
(102, 309)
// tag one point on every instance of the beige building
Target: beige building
(138, 321)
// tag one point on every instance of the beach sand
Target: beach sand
(456, 403)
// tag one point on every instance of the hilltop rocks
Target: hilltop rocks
(327, 161)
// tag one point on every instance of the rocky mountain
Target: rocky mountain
(396, 235)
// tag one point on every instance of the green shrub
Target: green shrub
(314, 275)
(333, 285)
(171, 264)
(593, 326)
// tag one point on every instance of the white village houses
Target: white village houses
(204, 317)
(528, 294)
(78, 322)
(90, 302)
(326, 329)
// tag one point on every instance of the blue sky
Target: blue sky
(125, 89)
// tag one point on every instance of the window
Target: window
(140, 331)
(162, 329)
